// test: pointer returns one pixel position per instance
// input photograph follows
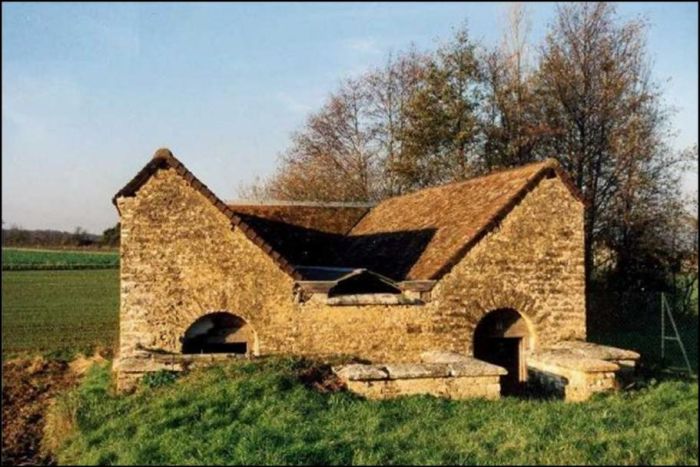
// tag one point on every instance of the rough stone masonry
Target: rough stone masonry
(384, 283)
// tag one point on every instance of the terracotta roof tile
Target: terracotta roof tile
(338, 219)
(451, 219)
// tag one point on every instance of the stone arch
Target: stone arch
(504, 337)
(497, 299)
(219, 332)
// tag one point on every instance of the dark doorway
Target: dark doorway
(500, 339)
(218, 333)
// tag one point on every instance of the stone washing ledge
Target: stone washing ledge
(465, 367)
(373, 299)
(466, 377)
(442, 356)
(599, 351)
(576, 370)
(565, 359)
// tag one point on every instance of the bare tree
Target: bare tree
(335, 156)
(512, 127)
(391, 89)
(606, 122)
(350, 149)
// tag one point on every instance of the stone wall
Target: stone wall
(533, 263)
(181, 259)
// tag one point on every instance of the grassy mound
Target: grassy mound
(261, 413)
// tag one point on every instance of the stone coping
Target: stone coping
(373, 299)
(566, 359)
(166, 357)
(597, 351)
(471, 367)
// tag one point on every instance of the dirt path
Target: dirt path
(28, 384)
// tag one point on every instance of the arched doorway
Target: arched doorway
(219, 332)
(501, 338)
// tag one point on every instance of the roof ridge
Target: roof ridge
(315, 204)
(549, 163)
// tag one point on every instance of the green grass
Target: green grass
(59, 311)
(19, 259)
(258, 413)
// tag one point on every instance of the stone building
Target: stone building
(470, 288)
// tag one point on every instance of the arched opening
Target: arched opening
(502, 337)
(219, 332)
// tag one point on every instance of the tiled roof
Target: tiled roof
(423, 234)
(336, 218)
(303, 234)
(419, 236)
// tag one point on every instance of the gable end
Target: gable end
(549, 170)
(164, 159)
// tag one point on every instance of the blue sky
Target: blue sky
(90, 91)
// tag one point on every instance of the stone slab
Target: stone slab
(569, 360)
(452, 388)
(417, 370)
(597, 351)
(360, 372)
(442, 356)
(474, 367)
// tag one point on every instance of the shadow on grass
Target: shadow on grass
(646, 339)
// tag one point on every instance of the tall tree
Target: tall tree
(605, 120)
(512, 128)
(441, 132)
(391, 89)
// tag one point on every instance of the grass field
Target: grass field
(59, 311)
(21, 259)
(259, 413)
